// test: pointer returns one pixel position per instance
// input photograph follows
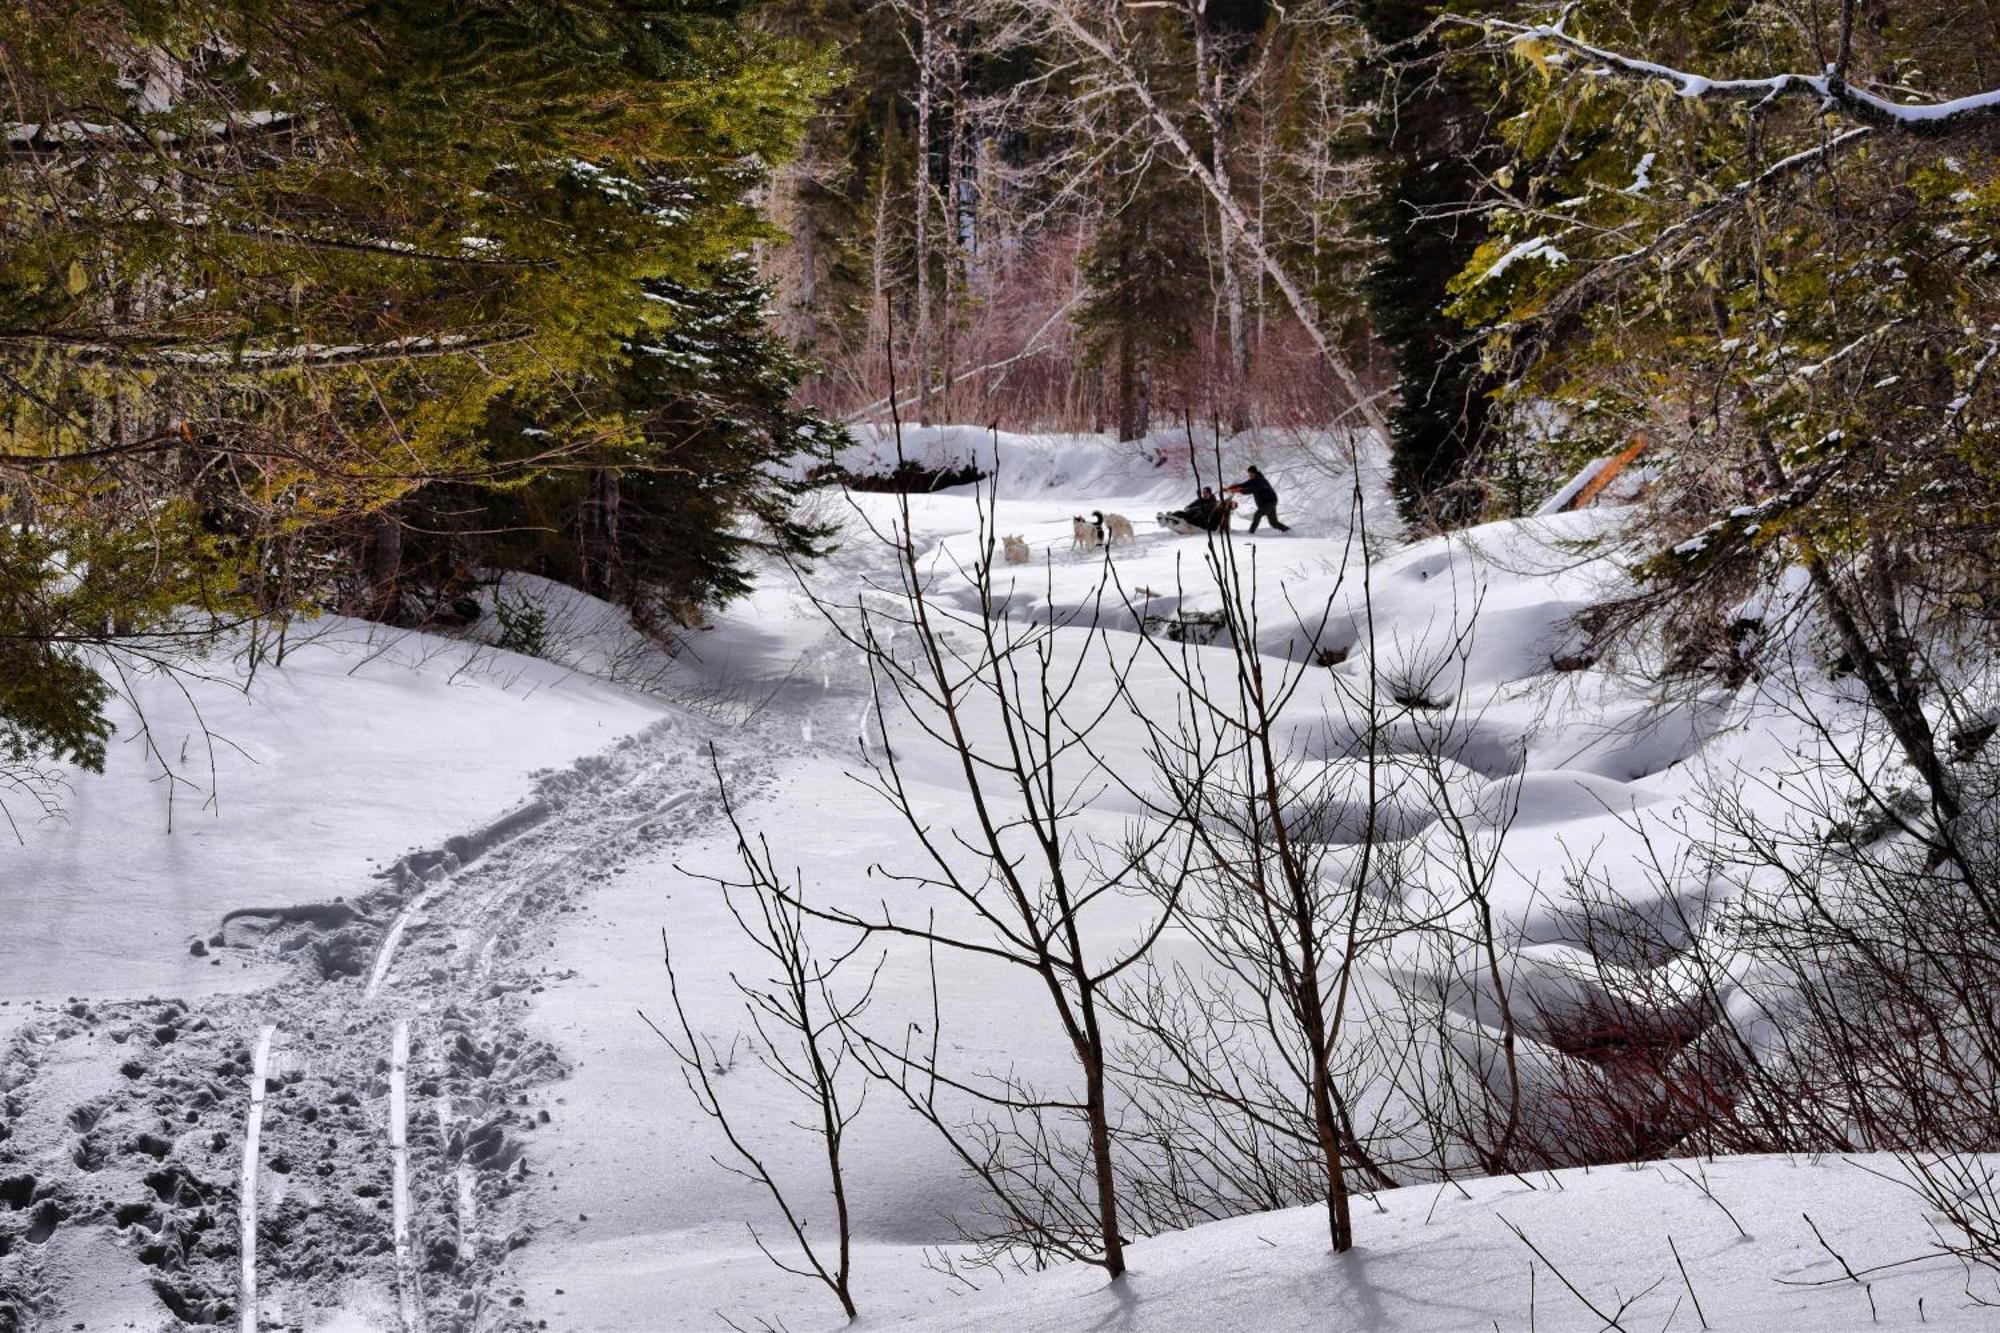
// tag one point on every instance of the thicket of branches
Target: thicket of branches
(1290, 979)
(1068, 213)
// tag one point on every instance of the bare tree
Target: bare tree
(1006, 702)
(800, 1024)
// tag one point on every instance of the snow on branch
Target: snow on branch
(470, 253)
(1691, 227)
(72, 137)
(1535, 247)
(157, 353)
(1832, 89)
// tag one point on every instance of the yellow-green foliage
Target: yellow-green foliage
(1813, 357)
(266, 266)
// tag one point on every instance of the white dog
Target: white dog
(1112, 526)
(1015, 550)
(1085, 533)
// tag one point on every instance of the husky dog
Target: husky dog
(1111, 527)
(1084, 533)
(1015, 550)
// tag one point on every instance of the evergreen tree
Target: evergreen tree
(1146, 277)
(1429, 141)
(664, 518)
(267, 267)
(1795, 307)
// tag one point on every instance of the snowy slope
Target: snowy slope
(1570, 767)
(363, 744)
(1438, 1260)
(558, 1169)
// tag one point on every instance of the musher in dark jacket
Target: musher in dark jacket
(1264, 496)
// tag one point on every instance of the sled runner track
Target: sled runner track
(253, 1131)
(386, 954)
(872, 707)
(485, 910)
(447, 954)
(409, 1299)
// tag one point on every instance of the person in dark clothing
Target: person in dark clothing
(1205, 510)
(1206, 514)
(1264, 496)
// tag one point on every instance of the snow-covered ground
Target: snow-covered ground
(1680, 1244)
(365, 743)
(558, 1169)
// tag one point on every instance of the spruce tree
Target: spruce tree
(707, 474)
(1429, 142)
(1146, 277)
(267, 268)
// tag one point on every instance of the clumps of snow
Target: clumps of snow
(1535, 247)
(1642, 176)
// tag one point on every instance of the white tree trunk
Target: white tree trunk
(920, 198)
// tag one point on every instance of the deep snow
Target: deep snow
(1434, 1259)
(553, 1143)
(365, 743)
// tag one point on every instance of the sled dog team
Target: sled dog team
(1100, 529)
(1206, 514)
(1086, 534)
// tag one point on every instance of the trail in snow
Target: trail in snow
(247, 1191)
(417, 992)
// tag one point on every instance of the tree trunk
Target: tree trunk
(880, 325)
(598, 522)
(385, 567)
(1128, 390)
(920, 196)
(1098, 1113)
(1326, 1124)
(1142, 422)
(1229, 229)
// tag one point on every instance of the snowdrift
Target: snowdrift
(222, 791)
(1636, 1247)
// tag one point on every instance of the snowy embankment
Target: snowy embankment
(366, 742)
(1726, 1245)
(1575, 768)
(557, 1168)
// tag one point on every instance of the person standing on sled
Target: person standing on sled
(1263, 495)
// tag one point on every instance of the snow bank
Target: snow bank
(1439, 1259)
(308, 778)
(1165, 465)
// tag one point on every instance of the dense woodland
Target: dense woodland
(313, 307)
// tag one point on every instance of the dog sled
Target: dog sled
(1186, 523)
